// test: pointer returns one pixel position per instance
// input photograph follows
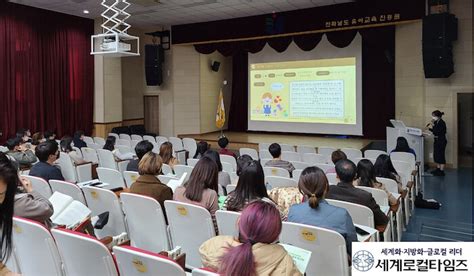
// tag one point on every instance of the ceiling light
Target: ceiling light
(85, 11)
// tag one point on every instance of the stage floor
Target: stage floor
(252, 139)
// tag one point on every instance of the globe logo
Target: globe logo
(363, 260)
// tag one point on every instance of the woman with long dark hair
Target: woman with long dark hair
(223, 177)
(366, 178)
(166, 153)
(383, 167)
(110, 145)
(438, 127)
(66, 147)
(78, 139)
(254, 251)
(402, 146)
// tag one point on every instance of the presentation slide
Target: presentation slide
(305, 91)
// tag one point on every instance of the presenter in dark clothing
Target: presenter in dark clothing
(438, 128)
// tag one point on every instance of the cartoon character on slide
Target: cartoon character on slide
(267, 104)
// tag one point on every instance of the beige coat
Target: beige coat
(271, 259)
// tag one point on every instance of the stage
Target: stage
(252, 139)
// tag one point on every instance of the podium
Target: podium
(414, 136)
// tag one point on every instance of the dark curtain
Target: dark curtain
(47, 72)
(239, 102)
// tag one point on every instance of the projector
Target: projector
(110, 45)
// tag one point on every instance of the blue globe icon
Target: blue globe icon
(363, 260)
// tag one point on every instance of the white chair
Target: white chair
(69, 189)
(227, 167)
(107, 160)
(133, 145)
(190, 145)
(130, 177)
(297, 174)
(112, 177)
(99, 141)
(101, 200)
(166, 178)
(78, 151)
(230, 188)
(12, 263)
(94, 146)
(88, 139)
(156, 147)
(40, 185)
(227, 222)
(264, 161)
(90, 155)
(189, 226)
(290, 156)
(123, 142)
(192, 162)
(3, 149)
(313, 158)
(179, 170)
(177, 143)
(146, 232)
(229, 159)
(332, 178)
(264, 154)
(263, 146)
(373, 153)
(233, 177)
(300, 165)
(324, 167)
(74, 172)
(125, 136)
(286, 147)
(125, 149)
(203, 272)
(166, 169)
(251, 152)
(392, 186)
(403, 156)
(34, 247)
(160, 140)
(328, 248)
(305, 149)
(149, 138)
(95, 258)
(138, 262)
(136, 137)
(327, 151)
(114, 135)
(278, 181)
(274, 171)
(381, 199)
(352, 153)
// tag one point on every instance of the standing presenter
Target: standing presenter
(438, 127)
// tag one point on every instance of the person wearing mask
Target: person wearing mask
(275, 151)
(336, 156)
(31, 204)
(223, 177)
(23, 156)
(366, 178)
(223, 142)
(66, 147)
(141, 149)
(148, 184)
(166, 153)
(383, 167)
(202, 147)
(110, 145)
(316, 211)
(402, 146)
(438, 127)
(78, 139)
(255, 250)
(345, 191)
(47, 153)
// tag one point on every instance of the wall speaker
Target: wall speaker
(215, 66)
(154, 58)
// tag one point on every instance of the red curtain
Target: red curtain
(46, 71)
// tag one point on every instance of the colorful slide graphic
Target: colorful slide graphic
(310, 91)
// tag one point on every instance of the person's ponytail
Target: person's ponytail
(238, 261)
(313, 184)
(313, 201)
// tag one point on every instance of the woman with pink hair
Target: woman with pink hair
(254, 252)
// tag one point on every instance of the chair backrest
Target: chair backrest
(390, 184)
(327, 151)
(263, 146)
(78, 151)
(352, 153)
(130, 177)
(147, 232)
(67, 167)
(88, 139)
(229, 159)
(230, 188)
(360, 214)
(278, 181)
(404, 170)
(179, 170)
(133, 144)
(404, 156)
(69, 189)
(3, 149)
(125, 149)
(99, 141)
(192, 162)
(190, 226)
(227, 222)
(264, 154)
(114, 134)
(373, 153)
(324, 167)
(290, 156)
(275, 171)
(156, 147)
(101, 200)
(305, 149)
(332, 178)
(106, 159)
(313, 158)
(136, 137)
(35, 248)
(123, 142)
(203, 272)
(94, 146)
(381, 197)
(149, 138)
(40, 185)
(166, 169)
(227, 167)
(125, 137)
(90, 155)
(95, 258)
(300, 165)
(297, 174)
(160, 140)
(328, 248)
(177, 143)
(112, 177)
(286, 147)
(190, 145)
(134, 261)
(166, 178)
(251, 152)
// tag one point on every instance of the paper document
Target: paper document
(300, 256)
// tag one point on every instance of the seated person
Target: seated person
(275, 151)
(383, 167)
(202, 147)
(23, 156)
(141, 149)
(223, 142)
(166, 153)
(201, 188)
(49, 135)
(316, 211)
(345, 191)
(79, 139)
(24, 134)
(242, 162)
(336, 156)
(223, 177)
(148, 184)
(366, 178)
(36, 139)
(47, 153)
(402, 146)
(254, 251)
(110, 145)
(31, 204)
(65, 146)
